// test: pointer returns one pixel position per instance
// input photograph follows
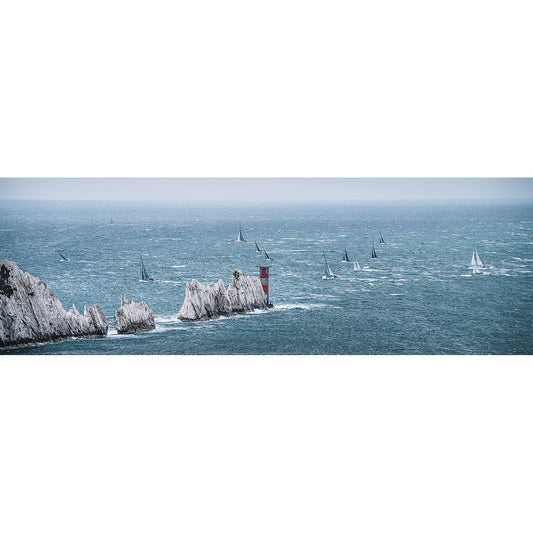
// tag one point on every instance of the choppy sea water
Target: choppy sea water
(417, 298)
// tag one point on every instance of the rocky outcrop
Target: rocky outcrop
(132, 317)
(204, 303)
(245, 293)
(30, 313)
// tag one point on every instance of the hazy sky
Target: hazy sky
(267, 190)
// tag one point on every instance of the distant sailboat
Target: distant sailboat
(63, 258)
(144, 272)
(356, 264)
(111, 223)
(328, 274)
(374, 254)
(346, 259)
(476, 261)
(381, 239)
(257, 249)
(267, 257)
(484, 265)
(240, 238)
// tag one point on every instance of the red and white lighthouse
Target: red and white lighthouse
(263, 276)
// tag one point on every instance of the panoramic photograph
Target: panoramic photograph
(266, 267)
(244, 266)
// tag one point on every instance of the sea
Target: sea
(418, 297)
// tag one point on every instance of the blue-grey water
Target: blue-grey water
(417, 298)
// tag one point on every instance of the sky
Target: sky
(268, 189)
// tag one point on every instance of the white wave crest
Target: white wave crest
(300, 306)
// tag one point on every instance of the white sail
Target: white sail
(356, 264)
(328, 274)
(240, 238)
(475, 263)
(478, 260)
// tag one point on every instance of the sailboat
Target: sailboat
(356, 264)
(476, 261)
(257, 249)
(111, 223)
(267, 257)
(484, 265)
(374, 254)
(346, 259)
(381, 239)
(144, 273)
(63, 258)
(240, 238)
(328, 274)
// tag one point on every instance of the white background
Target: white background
(246, 444)
(280, 88)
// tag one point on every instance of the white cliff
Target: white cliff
(203, 302)
(30, 313)
(245, 293)
(133, 316)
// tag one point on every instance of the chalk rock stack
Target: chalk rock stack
(30, 313)
(202, 302)
(245, 293)
(133, 316)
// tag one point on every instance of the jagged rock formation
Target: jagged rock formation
(132, 316)
(245, 293)
(202, 302)
(30, 313)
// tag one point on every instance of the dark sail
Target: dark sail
(374, 254)
(144, 273)
(63, 258)
(381, 239)
(267, 256)
(257, 249)
(346, 259)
